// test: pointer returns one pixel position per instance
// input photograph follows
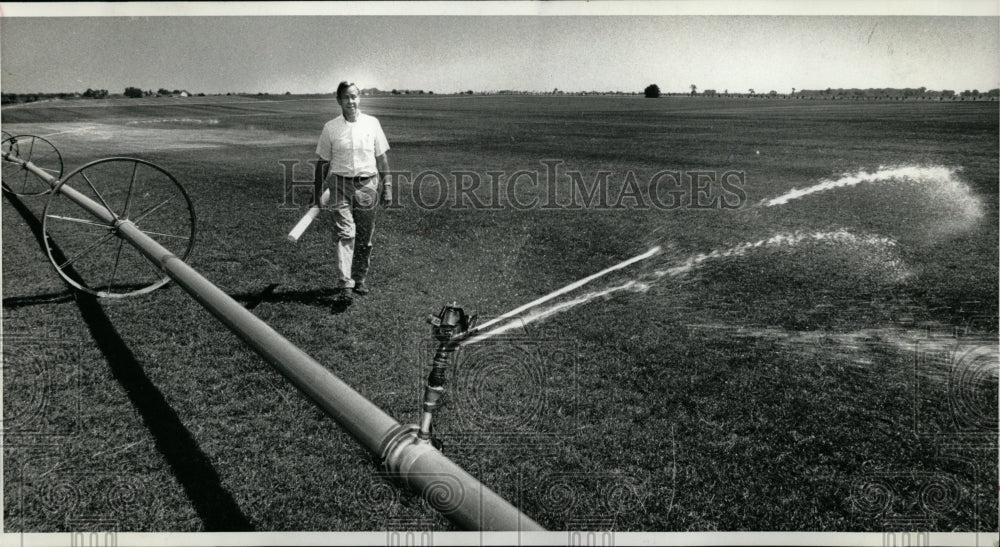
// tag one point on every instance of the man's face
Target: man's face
(349, 101)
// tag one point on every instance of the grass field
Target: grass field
(841, 376)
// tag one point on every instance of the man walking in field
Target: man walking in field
(352, 160)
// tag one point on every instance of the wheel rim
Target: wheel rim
(89, 254)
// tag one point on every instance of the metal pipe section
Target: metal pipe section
(434, 390)
(446, 486)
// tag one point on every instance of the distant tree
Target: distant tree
(772, 93)
(395, 92)
(652, 91)
(752, 92)
(793, 91)
(22, 98)
(694, 89)
(133, 92)
(288, 93)
(163, 91)
(708, 92)
(469, 92)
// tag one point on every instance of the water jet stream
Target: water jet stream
(911, 173)
(571, 286)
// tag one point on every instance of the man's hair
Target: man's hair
(342, 88)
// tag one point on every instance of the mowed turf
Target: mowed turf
(837, 382)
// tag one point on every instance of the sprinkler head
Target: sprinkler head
(450, 323)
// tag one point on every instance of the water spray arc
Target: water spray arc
(534, 312)
(418, 465)
(936, 181)
(575, 285)
(929, 175)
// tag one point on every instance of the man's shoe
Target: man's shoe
(343, 296)
(361, 288)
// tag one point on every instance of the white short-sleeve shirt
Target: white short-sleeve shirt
(351, 147)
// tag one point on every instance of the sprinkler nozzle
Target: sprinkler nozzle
(451, 322)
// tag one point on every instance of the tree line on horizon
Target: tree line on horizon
(882, 93)
(130, 92)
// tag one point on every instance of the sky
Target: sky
(450, 53)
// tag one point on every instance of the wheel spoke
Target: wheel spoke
(24, 183)
(34, 184)
(86, 251)
(149, 211)
(18, 174)
(24, 180)
(165, 235)
(81, 221)
(99, 196)
(114, 270)
(131, 184)
(30, 150)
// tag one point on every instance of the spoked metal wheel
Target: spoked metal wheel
(19, 181)
(88, 251)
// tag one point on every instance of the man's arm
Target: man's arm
(382, 163)
(320, 175)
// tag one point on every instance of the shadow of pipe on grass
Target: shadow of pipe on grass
(315, 297)
(192, 468)
(15, 302)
